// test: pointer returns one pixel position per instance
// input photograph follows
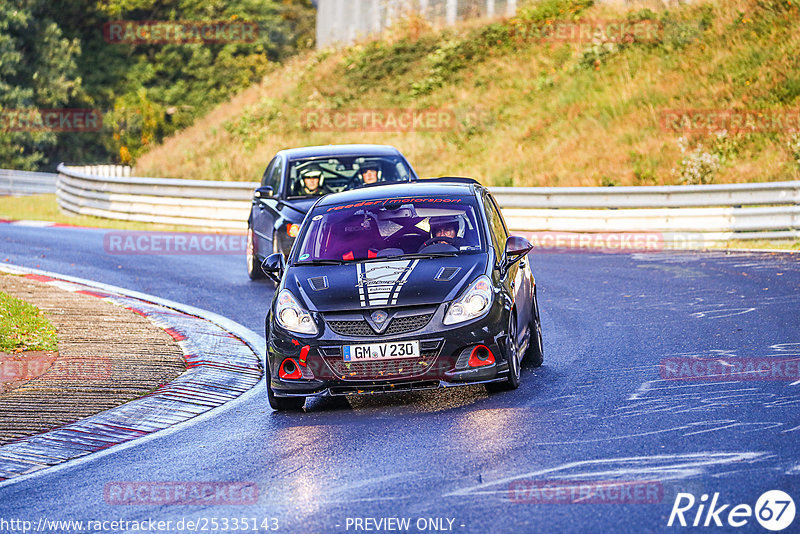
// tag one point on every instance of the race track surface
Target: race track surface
(598, 410)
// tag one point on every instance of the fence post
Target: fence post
(511, 8)
(451, 11)
(490, 8)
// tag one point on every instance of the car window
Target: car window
(392, 228)
(496, 224)
(275, 176)
(313, 177)
(268, 172)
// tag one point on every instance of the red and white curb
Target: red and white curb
(222, 359)
(37, 224)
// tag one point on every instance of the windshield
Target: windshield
(319, 176)
(391, 228)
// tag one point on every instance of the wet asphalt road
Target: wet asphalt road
(598, 410)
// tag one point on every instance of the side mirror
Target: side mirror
(516, 249)
(264, 192)
(517, 246)
(274, 266)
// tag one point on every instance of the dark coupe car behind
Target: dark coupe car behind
(296, 178)
(400, 287)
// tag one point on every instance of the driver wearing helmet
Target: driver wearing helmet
(369, 172)
(444, 231)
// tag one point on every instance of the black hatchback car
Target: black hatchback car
(397, 288)
(296, 178)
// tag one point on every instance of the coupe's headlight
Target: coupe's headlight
(475, 302)
(293, 317)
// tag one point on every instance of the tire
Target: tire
(514, 361)
(282, 404)
(253, 266)
(535, 353)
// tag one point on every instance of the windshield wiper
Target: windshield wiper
(323, 262)
(417, 255)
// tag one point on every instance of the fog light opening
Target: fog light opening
(289, 370)
(481, 356)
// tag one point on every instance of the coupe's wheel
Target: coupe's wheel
(282, 404)
(535, 352)
(514, 361)
(253, 266)
(514, 357)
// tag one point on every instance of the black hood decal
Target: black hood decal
(384, 284)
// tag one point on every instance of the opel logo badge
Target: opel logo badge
(379, 316)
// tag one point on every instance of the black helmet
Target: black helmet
(446, 221)
(369, 165)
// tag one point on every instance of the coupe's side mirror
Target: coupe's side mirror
(274, 266)
(516, 249)
(264, 192)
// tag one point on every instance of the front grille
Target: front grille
(351, 328)
(402, 325)
(382, 369)
(398, 325)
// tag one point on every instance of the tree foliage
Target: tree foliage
(55, 55)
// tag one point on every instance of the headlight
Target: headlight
(475, 302)
(293, 317)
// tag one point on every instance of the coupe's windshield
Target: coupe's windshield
(320, 176)
(429, 226)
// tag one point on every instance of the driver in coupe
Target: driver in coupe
(444, 231)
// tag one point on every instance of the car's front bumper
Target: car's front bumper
(444, 349)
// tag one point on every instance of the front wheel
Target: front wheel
(282, 404)
(253, 266)
(535, 352)
(514, 361)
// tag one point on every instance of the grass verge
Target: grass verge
(23, 327)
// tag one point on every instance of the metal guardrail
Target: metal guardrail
(109, 191)
(698, 213)
(19, 183)
(668, 196)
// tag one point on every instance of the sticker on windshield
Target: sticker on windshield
(304, 256)
(399, 202)
(316, 218)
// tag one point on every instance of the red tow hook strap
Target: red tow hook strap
(303, 354)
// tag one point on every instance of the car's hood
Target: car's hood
(301, 205)
(408, 282)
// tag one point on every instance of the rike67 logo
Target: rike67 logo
(774, 511)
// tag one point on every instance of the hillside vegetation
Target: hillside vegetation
(531, 112)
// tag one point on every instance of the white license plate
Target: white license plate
(381, 351)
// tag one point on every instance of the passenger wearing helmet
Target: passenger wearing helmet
(310, 183)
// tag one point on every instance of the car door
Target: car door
(516, 279)
(266, 211)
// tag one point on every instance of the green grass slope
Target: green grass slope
(529, 111)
